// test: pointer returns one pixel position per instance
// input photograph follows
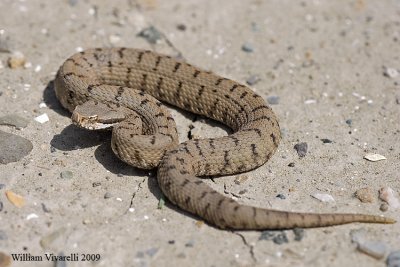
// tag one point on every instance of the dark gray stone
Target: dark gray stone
(301, 149)
(13, 147)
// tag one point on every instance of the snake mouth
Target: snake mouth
(90, 122)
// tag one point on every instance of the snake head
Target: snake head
(93, 115)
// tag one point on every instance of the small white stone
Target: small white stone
(32, 216)
(113, 38)
(118, 199)
(38, 68)
(374, 157)
(79, 49)
(28, 65)
(323, 197)
(310, 101)
(131, 209)
(391, 72)
(42, 118)
(388, 195)
(145, 217)
(42, 105)
(92, 11)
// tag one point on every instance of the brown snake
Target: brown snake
(111, 87)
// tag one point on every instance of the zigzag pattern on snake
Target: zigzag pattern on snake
(119, 88)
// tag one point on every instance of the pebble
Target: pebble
(151, 34)
(13, 147)
(365, 195)
(247, 47)
(96, 184)
(391, 72)
(374, 249)
(42, 118)
(266, 235)
(349, 122)
(5, 259)
(66, 175)
(16, 60)
(323, 197)
(299, 234)
(326, 141)
(253, 80)
(374, 157)
(301, 149)
(273, 100)
(388, 195)
(2, 186)
(14, 120)
(15, 199)
(384, 207)
(1, 206)
(46, 241)
(113, 38)
(151, 251)
(393, 260)
(107, 195)
(181, 27)
(3, 235)
(281, 196)
(161, 203)
(291, 164)
(280, 238)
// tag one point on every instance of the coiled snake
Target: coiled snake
(111, 87)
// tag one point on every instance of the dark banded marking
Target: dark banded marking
(201, 90)
(219, 81)
(196, 143)
(184, 172)
(219, 204)
(153, 140)
(235, 140)
(140, 56)
(158, 60)
(196, 73)
(259, 108)
(119, 93)
(181, 160)
(203, 195)
(258, 131)
(262, 118)
(185, 182)
(144, 102)
(211, 142)
(243, 94)
(178, 89)
(159, 83)
(187, 200)
(274, 139)
(234, 87)
(177, 66)
(121, 52)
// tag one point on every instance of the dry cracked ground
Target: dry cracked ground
(330, 71)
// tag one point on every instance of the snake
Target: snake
(122, 89)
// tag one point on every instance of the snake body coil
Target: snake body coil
(118, 82)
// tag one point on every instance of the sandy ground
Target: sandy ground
(328, 62)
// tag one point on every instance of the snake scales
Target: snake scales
(111, 87)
